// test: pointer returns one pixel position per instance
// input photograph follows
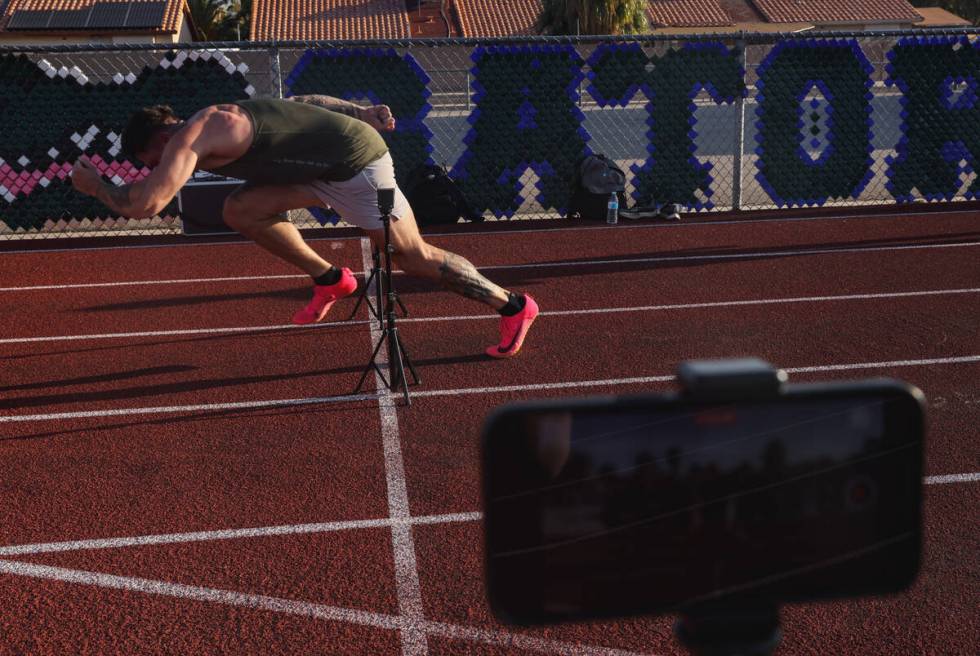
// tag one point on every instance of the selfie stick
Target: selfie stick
(397, 356)
(746, 627)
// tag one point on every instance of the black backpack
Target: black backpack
(435, 198)
(596, 177)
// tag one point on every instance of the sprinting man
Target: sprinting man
(305, 151)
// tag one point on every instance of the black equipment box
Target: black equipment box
(200, 203)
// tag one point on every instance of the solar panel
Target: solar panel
(29, 20)
(146, 14)
(69, 20)
(99, 15)
(108, 15)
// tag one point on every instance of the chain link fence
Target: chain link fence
(712, 123)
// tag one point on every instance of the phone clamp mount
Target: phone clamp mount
(742, 626)
(398, 359)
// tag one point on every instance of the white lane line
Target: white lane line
(177, 333)
(203, 407)
(946, 479)
(232, 534)
(609, 382)
(668, 378)
(534, 387)
(298, 608)
(197, 593)
(760, 255)
(554, 313)
(751, 255)
(300, 529)
(407, 586)
(141, 283)
(966, 359)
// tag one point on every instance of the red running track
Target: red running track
(185, 473)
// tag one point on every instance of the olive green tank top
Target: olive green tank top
(296, 142)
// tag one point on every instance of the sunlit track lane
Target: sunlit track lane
(347, 569)
(599, 242)
(101, 311)
(495, 249)
(929, 616)
(442, 464)
(66, 618)
(585, 285)
(810, 280)
(194, 259)
(97, 478)
(463, 572)
(932, 618)
(637, 344)
(164, 371)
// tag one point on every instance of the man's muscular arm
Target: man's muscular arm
(121, 200)
(331, 103)
(147, 197)
(378, 116)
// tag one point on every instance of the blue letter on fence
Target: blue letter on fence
(526, 117)
(940, 82)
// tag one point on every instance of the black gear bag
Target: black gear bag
(435, 198)
(596, 177)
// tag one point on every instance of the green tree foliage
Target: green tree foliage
(222, 20)
(592, 17)
(968, 9)
(208, 16)
(238, 20)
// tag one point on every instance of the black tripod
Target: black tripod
(397, 355)
(375, 308)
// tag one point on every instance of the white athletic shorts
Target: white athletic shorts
(356, 200)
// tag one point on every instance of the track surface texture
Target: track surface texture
(184, 472)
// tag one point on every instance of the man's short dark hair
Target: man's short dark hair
(143, 126)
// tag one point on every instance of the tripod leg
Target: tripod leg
(372, 364)
(396, 366)
(379, 288)
(364, 299)
(408, 362)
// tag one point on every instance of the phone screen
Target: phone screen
(652, 506)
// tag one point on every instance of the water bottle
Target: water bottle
(612, 209)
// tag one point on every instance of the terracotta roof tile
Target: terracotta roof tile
(329, 20)
(838, 11)
(687, 13)
(169, 24)
(494, 18)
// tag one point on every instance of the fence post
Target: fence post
(740, 130)
(276, 71)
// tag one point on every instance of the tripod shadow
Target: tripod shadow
(300, 295)
(102, 378)
(136, 392)
(356, 325)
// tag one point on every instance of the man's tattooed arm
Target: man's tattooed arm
(331, 103)
(121, 200)
(460, 276)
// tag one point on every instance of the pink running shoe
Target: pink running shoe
(324, 297)
(513, 329)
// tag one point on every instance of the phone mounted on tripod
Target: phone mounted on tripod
(718, 502)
